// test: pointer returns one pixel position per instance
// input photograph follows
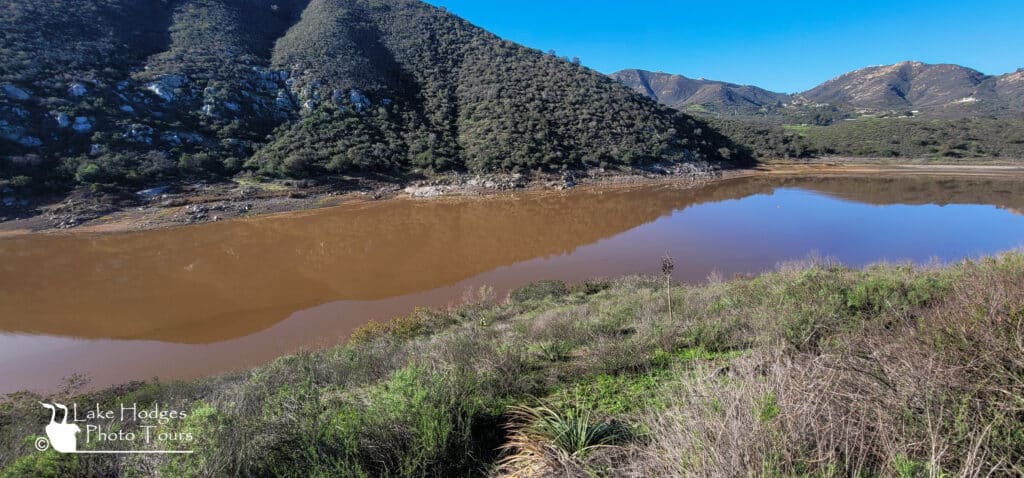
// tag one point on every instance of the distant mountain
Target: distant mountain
(139, 91)
(944, 90)
(685, 93)
(948, 91)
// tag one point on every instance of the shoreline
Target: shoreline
(232, 200)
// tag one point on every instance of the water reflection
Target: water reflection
(204, 299)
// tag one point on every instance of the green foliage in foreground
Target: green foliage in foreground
(814, 370)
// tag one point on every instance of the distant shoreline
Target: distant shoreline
(200, 204)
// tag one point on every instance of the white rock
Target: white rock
(283, 100)
(62, 119)
(164, 87)
(161, 90)
(427, 191)
(77, 89)
(232, 106)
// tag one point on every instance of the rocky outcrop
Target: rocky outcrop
(77, 89)
(164, 87)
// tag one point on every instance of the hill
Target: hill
(685, 93)
(906, 110)
(938, 90)
(145, 91)
(909, 88)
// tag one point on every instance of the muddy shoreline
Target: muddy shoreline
(82, 212)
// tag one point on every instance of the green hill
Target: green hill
(144, 91)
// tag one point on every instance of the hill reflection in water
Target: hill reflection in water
(217, 296)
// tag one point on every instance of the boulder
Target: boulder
(15, 93)
(164, 87)
(82, 125)
(77, 89)
(359, 101)
(139, 133)
(284, 101)
(153, 192)
(62, 119)
(161, 90)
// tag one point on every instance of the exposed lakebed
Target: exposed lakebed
(200, 300)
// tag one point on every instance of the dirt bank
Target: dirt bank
(86, 212)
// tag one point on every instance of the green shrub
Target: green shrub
(46, 464)
(555, 351)
(767, 408)
(539, 291)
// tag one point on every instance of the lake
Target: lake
(206, 299)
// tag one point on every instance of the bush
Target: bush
(539, 291)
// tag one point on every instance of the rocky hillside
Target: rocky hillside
(685, 93)
(938, 90)
(145, 91)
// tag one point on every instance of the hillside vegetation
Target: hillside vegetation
(908, 138)
(141, 92)
(814, 370)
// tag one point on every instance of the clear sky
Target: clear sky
(782, 46)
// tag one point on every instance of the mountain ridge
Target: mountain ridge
(943, 90)
(679, 91)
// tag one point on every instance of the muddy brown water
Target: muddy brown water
(201, 300)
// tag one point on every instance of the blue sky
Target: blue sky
(782, 46)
